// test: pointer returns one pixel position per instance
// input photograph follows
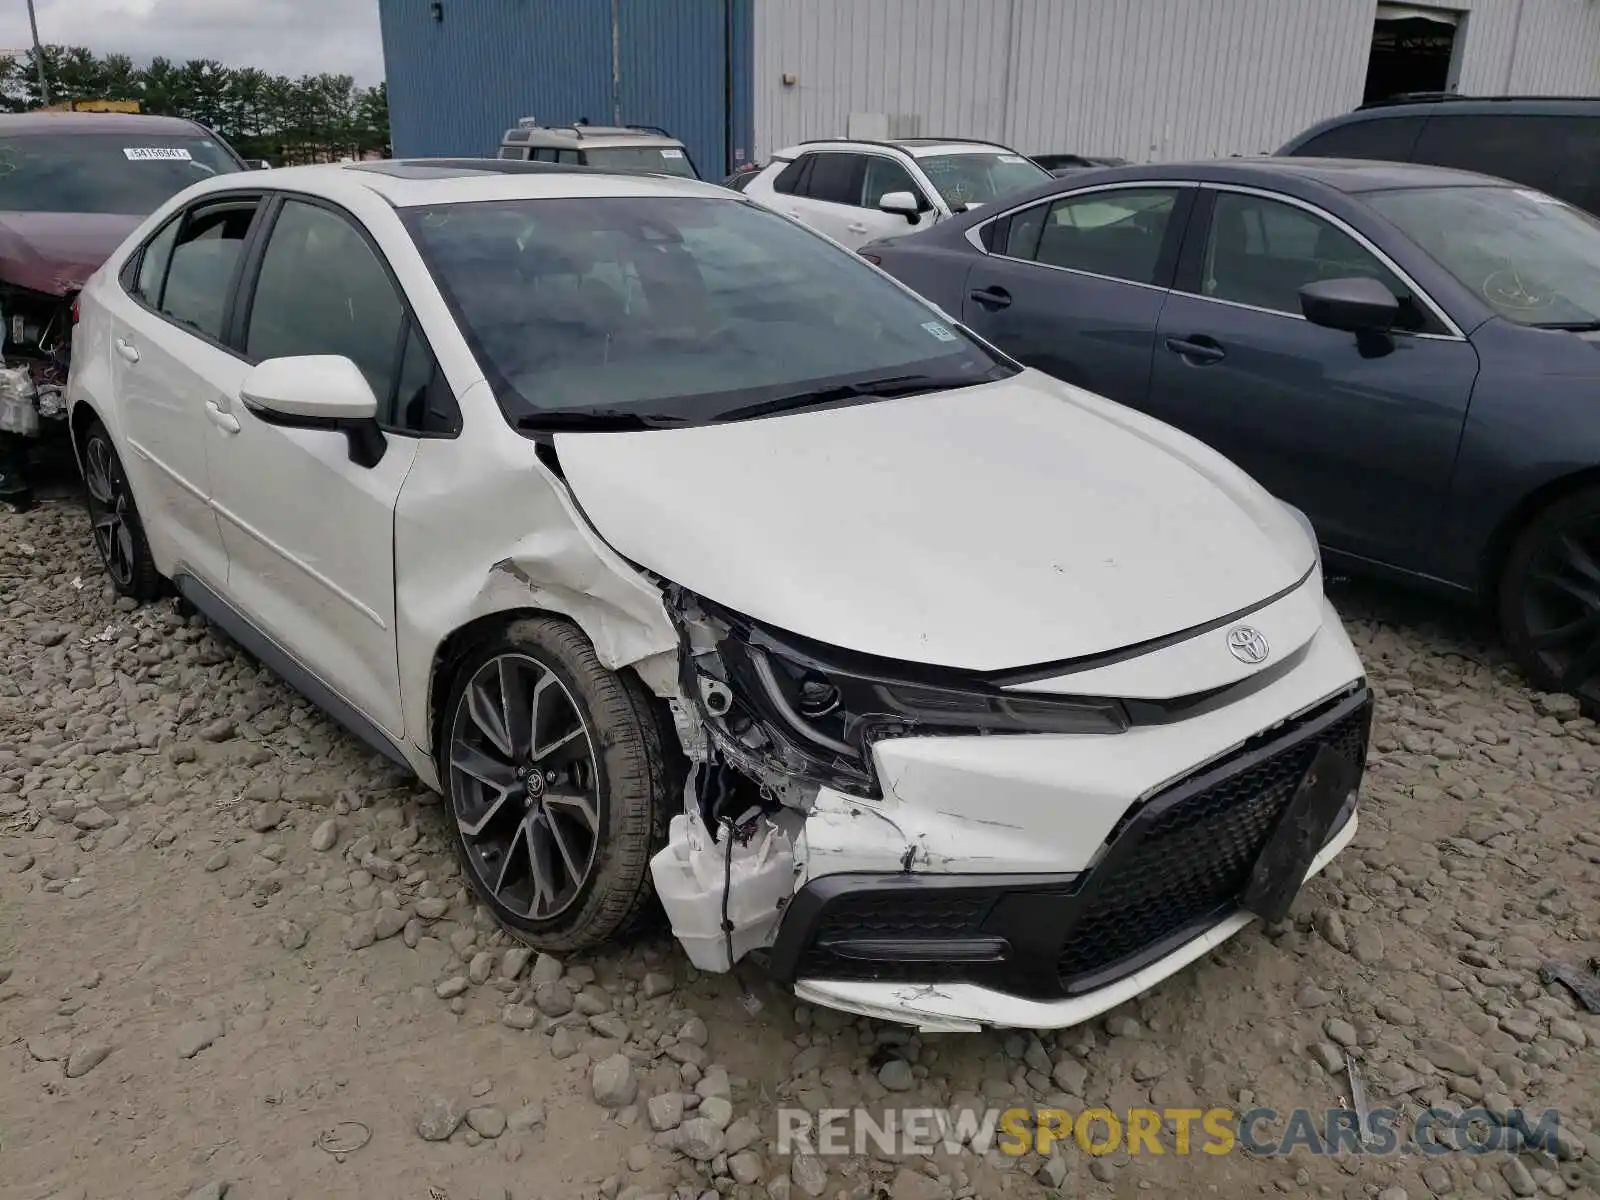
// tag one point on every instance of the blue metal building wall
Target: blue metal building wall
(456, 84)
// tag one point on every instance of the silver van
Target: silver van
(638, 147)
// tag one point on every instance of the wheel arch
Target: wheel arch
(83, 415)
(1516, 519)
(461, 642)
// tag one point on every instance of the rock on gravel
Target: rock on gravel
(809, 1173)
(325, 836)
(487, 1121)
(519, 1016)
(196, 1036)
(896, 1075)
(440, 1118)
(613, 1082)
(85, 1057)
(699, 1139)
(665, 1111)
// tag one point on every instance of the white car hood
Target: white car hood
(1005, 525)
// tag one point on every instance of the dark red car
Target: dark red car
(72, 187)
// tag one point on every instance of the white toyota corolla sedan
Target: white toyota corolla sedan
(692, 558)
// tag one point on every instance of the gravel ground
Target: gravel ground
(236, 959)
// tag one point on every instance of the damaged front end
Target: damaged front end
(35, 355)
(786, 722)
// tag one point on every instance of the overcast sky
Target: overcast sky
(285, 37)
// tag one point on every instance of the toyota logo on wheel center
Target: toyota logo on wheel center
(1248, 645)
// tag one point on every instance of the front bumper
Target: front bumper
(1047, 950)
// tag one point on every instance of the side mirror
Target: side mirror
(1357, 305)
(258, 164)
(905, 204)
(318, 391)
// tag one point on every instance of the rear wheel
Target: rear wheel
(1550, 599)
(114, 519)
(555, 774)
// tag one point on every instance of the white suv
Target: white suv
(677, 546)
(859, 191)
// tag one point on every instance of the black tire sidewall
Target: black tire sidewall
(628, 784)
(1525, 552)
(145, 585)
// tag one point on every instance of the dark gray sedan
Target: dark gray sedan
(1410, 355)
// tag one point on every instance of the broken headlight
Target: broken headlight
(781, 703)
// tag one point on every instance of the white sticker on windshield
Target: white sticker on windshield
(158, 154)
(939, 331)
(672, 154)
(1011, 158)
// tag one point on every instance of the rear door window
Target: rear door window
(1390, 139)
(205, 258)
(836, 178)
(1578, 176)
(1116, 233)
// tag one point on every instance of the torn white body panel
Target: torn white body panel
(512, 541)
(961, 1007)
(1046, 802)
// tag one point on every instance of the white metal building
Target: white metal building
(1148, 80)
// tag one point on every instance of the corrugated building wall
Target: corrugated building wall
(461, 72)
(1145, 79)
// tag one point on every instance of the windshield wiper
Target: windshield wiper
(877, 389)
(599, 420)
(1570, 326)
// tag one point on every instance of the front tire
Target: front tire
(556, 779)
(114, 519)
(1550, 599)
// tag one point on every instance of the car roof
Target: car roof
(24, 124)
(407, 183)
(577, 135)
(1340, 174)
(1451, 102)
(916, 147)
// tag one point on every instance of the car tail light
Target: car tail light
(875, 259)
(76, 301)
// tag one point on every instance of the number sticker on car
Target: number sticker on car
(157, 154)
(939, 331)
(672, 154)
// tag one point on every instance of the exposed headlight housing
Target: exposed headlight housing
(781, 703)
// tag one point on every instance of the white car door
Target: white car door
(170, 371)
(309, 532)
(829, 197)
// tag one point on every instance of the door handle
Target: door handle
(992, 298)
(1197, 349)
(226, 422)
(858, 229)
(128, 350)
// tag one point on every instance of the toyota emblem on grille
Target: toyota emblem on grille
(1248, 645)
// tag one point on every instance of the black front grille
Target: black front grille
(1190, 852)
(1172, 868)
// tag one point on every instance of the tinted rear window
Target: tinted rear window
(670, 160)
(1523, 149)
(131, 172)
(1389, 139)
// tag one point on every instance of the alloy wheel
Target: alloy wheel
(108, 511)
(1561, 608)
(524, 782)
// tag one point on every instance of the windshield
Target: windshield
(980, 177)
(129, 172)
(667, 309)
(1533, 259)
(668, 159)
